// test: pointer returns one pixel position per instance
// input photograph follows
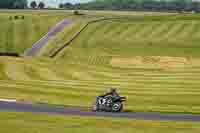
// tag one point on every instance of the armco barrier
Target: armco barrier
(77, 34)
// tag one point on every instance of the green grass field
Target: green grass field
(178, 35)
(153, 60)
(18, 34)
(147, 89)
(26, 122)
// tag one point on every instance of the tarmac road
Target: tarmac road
(44, 40)
(77, 111)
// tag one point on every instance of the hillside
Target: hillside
(176, 36)
(154, 61)
(19, 34)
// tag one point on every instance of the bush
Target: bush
(16, 17)
(77, 13)
(10, 54)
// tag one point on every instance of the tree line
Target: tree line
(144, 5)
(10, 4)
(34, 5)
(20, 4)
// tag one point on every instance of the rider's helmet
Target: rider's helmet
(113, 90)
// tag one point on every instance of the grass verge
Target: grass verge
(40, 123)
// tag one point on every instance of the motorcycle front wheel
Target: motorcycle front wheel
(117, 107)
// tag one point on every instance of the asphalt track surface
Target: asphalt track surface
(77, 111)
(44, 40)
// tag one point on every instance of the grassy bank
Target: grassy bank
(19, 34)
(148, 36)
(26, 122)
(73, 83)
(154, 61)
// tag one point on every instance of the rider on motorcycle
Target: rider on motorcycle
(109, 102)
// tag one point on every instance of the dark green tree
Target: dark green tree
(33, 4)
(41, 5)
(20, 4)
(13, 4)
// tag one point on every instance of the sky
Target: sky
(54, 3)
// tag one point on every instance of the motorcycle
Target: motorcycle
(108, 104)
